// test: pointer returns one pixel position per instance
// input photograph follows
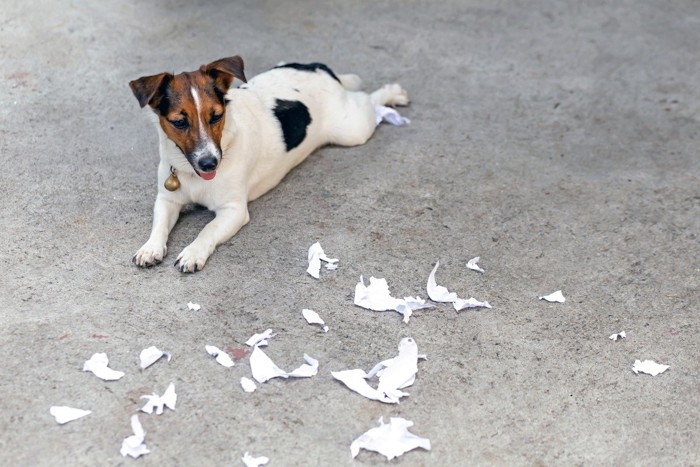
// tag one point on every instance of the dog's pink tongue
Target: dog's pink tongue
(208, 175)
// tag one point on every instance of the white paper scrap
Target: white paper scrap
(313, 318)
(389, 439)
(251, 461)
(376, 297)
(133, 445)
(151, 355)
(193, 306)
(64, 414)
(98, 366)
(394, 374)
(156, 402)
(557, 297)
(471, 302)
(649, 367)
(264, 369)
(248, 384)
(221, 357)
(258, 340)
(473, 265)
(316, 255)
(619, 335)
(383, 113)
(438, 293)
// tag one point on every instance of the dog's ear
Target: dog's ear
(225, 70)
(148, 89)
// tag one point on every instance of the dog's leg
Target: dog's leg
(351, 82)
(356, 122)
(165, 214)
(227, 222)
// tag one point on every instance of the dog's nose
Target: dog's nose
(207, 163)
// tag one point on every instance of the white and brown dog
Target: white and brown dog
(222, 147)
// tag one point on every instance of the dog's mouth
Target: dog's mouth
(207, 175)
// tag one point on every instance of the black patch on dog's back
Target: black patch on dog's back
(294, 118)
(311, 67)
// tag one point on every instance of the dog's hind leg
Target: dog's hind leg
(355, 121)
(351, 82)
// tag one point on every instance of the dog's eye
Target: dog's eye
(180, 124)
(215, 119)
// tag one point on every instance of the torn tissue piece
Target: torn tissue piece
(64, 414)
(649, 367)
(151, 355)
(258, 340)
(156, 402)
(331, 266)
(133, 445)
(98, 366)
(251, 461)
(312, 318)
(316, 255)
(376, 297)
(383, 113)
(557, 297)
(619, 335)
(193, 306)
(394, 374)
(473, 264)
(264, 368)
(471, 302)
(389, 439)
(247, 384)
(221, 357)
(438, 293)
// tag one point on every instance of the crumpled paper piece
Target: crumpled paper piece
(98, 366)
(438, 293)
(156, 402)
(383, 113)
(264, 369)
(649, 367)
(619, 335)
(312, 317)
(193, 306)
(394, 374)
(557, 297)
(260, 339)
(221, 357)
(473, 265)
(64, 414)
(316, 255)
(376, 297)
(247, 384)
(389, 439)
(251, 461)
(133, 445)
(151, 355)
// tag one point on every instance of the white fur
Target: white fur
(254, 157)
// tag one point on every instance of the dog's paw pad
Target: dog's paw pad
(192, 259)
(149, 255)
(396, 95)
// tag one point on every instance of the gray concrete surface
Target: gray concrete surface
(556, 140)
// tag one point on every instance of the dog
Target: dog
(223, 146)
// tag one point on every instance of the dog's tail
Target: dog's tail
(351, 82)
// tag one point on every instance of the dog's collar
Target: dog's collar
(172, 183)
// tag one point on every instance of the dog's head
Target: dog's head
(191, 108)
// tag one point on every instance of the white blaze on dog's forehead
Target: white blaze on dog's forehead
(206, 145)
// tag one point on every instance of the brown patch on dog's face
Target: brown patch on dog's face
(191, 107)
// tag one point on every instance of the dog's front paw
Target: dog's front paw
(149, 255)
(396, 95)
(192, 258)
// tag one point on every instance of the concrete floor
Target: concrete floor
(556, 140)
